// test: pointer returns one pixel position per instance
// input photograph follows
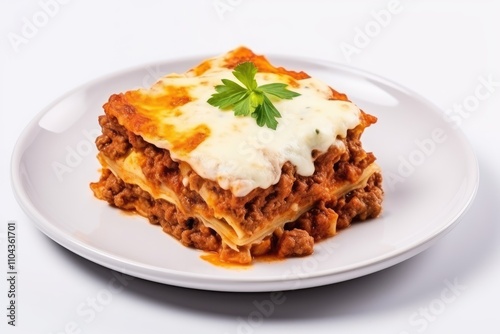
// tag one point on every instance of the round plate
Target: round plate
(430, 178)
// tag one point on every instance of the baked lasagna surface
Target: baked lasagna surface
(219, 182)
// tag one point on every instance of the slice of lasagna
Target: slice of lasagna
(221, 183)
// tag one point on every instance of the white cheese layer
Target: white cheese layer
(237, 153)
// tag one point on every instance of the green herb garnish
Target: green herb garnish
(253, 99)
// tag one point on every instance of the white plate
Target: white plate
(431, 177)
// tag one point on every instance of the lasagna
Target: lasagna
(219, 182)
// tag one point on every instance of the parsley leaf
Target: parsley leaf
(279, 90)
(267, 114)
(228, 94)
(245, 72)
(251, 100)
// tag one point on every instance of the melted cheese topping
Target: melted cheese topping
(234, 151)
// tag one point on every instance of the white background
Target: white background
(440, 49)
